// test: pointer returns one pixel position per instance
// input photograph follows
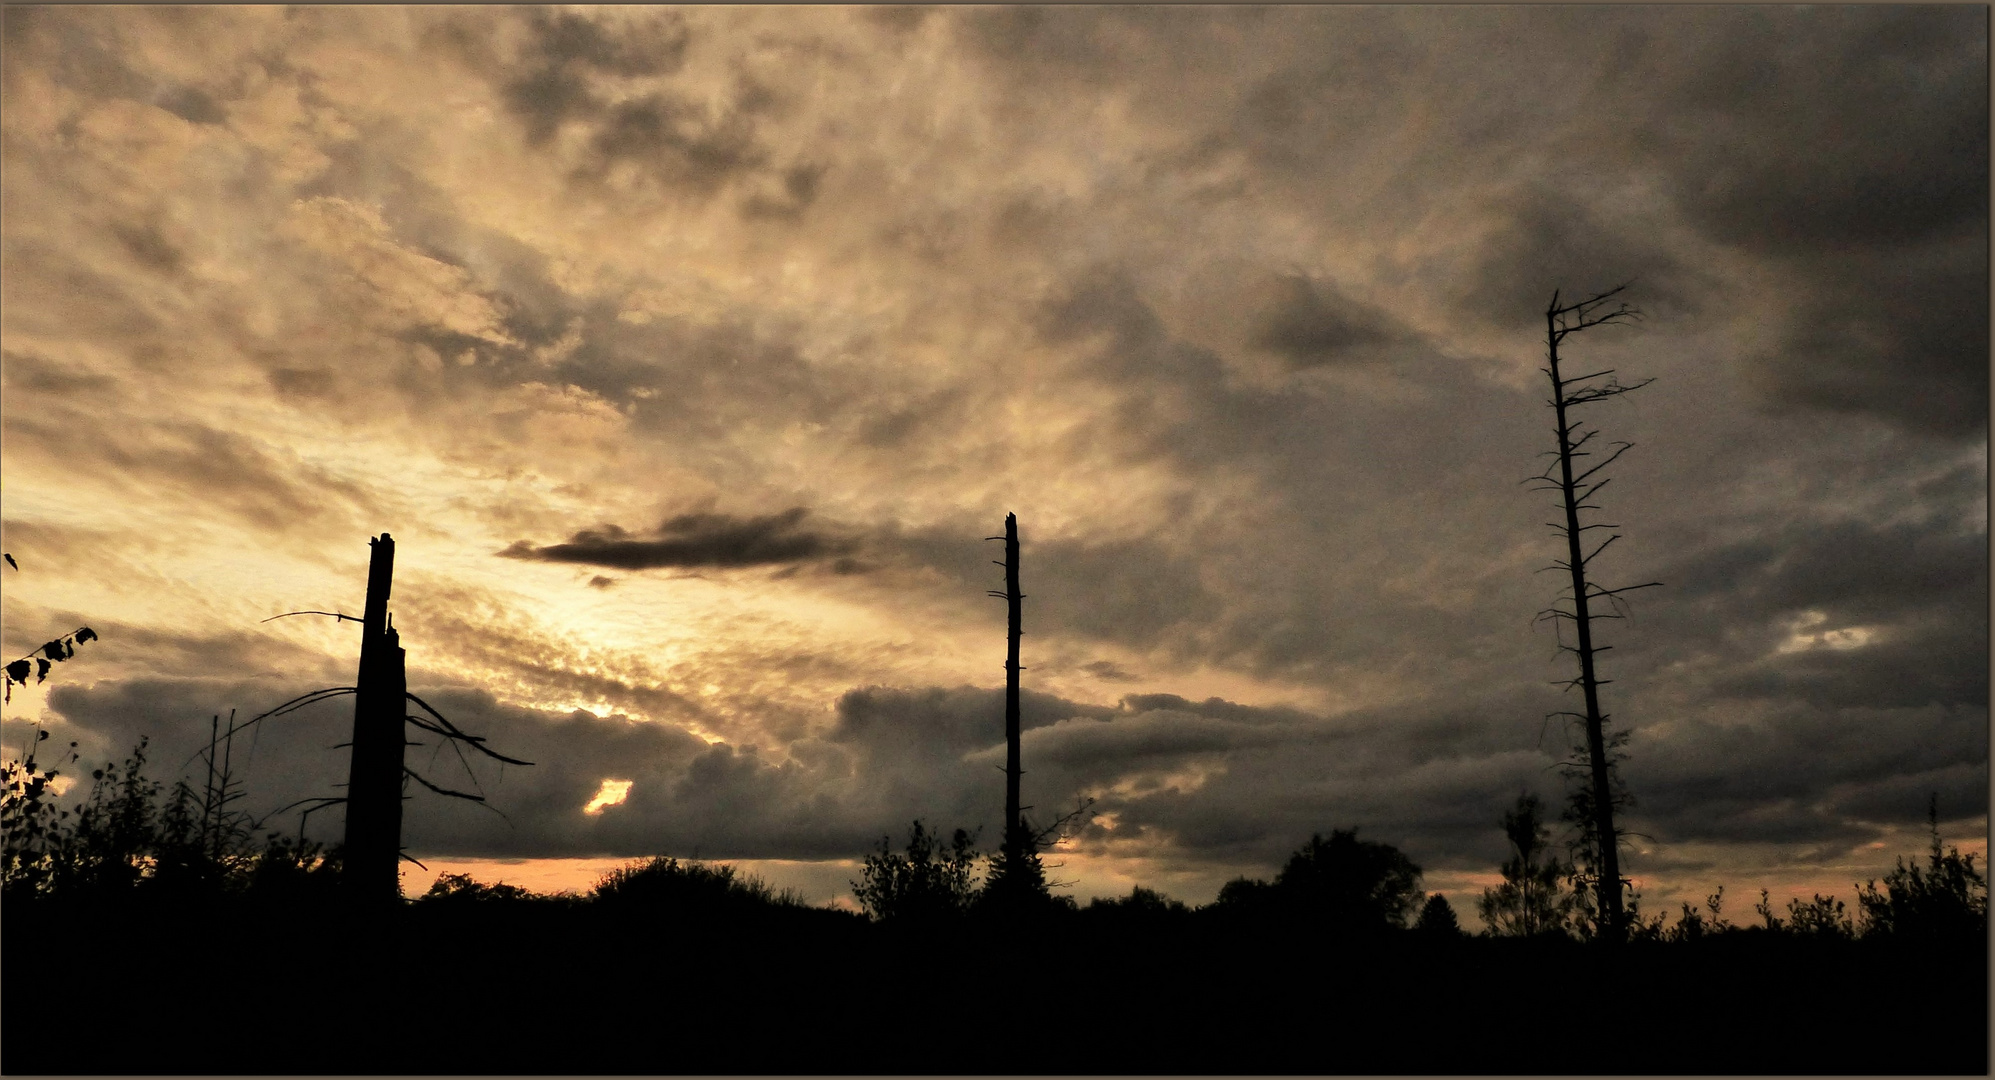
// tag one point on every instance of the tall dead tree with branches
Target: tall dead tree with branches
(371, 853)
(1576, 484)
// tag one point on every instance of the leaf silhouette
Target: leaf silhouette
(54, 650)
(41, 669)
(85, 634)
(10, 560)
(17, 672)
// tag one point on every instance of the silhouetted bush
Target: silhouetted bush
(1948, 899)
(465, 889)
(1824, 917)
(924, 883)
(1693, 924)
(664, 883)
(120, 840)
(1145, 910)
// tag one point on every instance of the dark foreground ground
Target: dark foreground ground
(537, 989)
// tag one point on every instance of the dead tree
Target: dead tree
(374, 778)
(1576, 487)
(377, 774)
(1018, 853)
(1018, 878)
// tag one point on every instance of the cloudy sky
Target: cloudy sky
(690, 356)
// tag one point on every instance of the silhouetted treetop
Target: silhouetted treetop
(1437, 918)
(1351, 882)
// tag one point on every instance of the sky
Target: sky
(690, 356)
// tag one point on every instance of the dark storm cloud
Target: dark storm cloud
(29, 374)
(1851, 150)
(1213, 780)
(682, 142)
(1848, 126)
(1550, 240)
(1844, 152)
(1803, 774)
(1900, 335)
(1308, 324)
(1146, 593)
(944, 720)
(1108, 671)
(575, 69)
(85, 52)
(693, 540)
(1908, 599)
(1075, 44)
(552, 84)
(1180, 396)
(191, 104)
(150, 247)
(1431, 451)
(799, 189)
(1175, 397)
(281, 759)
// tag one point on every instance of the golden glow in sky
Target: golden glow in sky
(689, 355)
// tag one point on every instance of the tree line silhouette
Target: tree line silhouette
(1341, 962)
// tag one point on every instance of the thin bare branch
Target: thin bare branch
(1620, 448)
(1602, 393)
(329, 614)
(413, 775)
(1625, 588)
(477, 742)
(293, 705)
(326, 800)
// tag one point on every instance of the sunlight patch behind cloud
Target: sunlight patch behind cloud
(1803, 635)
(612, 793)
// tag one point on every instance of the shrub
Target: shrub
(1949, 898)
(464, 889)
(1824, 917)
(926, 882)
(665, 883)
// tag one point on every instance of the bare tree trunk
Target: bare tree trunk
(374, 780)
(1575, 488)
(1596, 742)
(1016, 879)
(1014, 826)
